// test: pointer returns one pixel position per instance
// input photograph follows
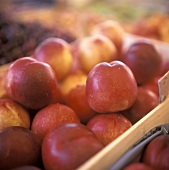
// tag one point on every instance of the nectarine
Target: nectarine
(13, 114)
(111, 87)
(51, 117)
(78, 77)
(156, 153)
(95, 49)
(146, 101)
(18, 147)
(56, 52)
(153, 85)
(107, 127)
(143, 59)
(77, 100)
(69, 146)
(111, 29)
(32, 83)
(138, 166)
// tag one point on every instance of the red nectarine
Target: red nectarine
(77, 100)
(107, 127)
(69, 146)
(137, 166)
(156, 153)
(32, 83)
(146, 101)
(18, 147)
(111, 87)
(143, 59)
(51, 117)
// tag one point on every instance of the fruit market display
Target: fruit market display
(145, 18)
(70, 99)
(27, 27)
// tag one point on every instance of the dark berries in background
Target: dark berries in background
(19, 39)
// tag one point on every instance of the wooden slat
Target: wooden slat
(158, 116)
(111, 153)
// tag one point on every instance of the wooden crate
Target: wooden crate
(158, 116)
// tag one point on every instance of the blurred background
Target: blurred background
(25, 23)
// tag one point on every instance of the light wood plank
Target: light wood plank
(111, 153)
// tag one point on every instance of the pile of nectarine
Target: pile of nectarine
(67, 101)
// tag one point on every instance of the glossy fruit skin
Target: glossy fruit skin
(50, 117)
(77, 100)
(143, 59)
(138, 166)
(13, 114)
(69, 146)
(72, 80)
(153, 85)
(164, 68)
(112, 30)
(18, 147)
(95, 49)
(56, 52)
(76, 65)
(111, 87)
(107, 127)
(31, 83)
(146, 101)
(156, 153)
